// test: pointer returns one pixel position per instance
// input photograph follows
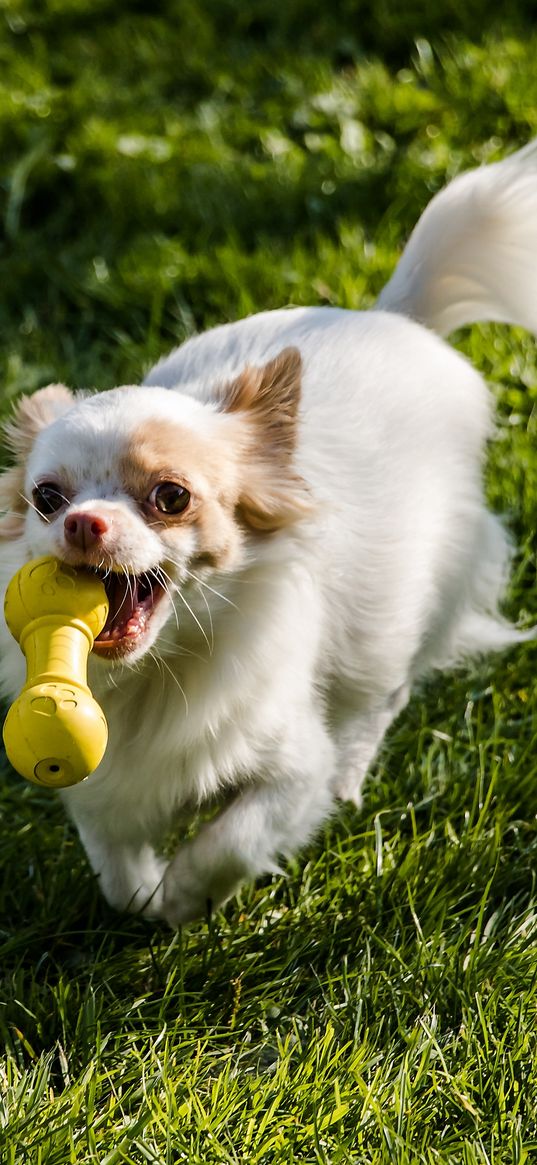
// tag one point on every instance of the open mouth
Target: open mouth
(132, 600)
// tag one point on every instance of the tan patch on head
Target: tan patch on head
(239, 473)
(207, 466)
(169, 451)
(30, 415)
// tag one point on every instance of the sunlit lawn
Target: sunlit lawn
(165, 167)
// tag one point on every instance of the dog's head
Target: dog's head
(149, 487)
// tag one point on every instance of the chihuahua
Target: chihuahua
(289, 520)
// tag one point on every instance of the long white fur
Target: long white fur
(279, 684)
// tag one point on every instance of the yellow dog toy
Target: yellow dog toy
(55, 733)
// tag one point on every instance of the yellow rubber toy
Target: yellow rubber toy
(55, 733)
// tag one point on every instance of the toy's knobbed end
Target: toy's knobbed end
(55, 733)
(55, 736)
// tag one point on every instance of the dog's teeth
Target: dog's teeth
(130, 612)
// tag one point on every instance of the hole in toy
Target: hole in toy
(54, 773)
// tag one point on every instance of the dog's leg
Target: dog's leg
(129, 872)
(273, 817)
(359, 737)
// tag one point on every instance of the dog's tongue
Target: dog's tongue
(130, 603)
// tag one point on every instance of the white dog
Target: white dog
(289, 519)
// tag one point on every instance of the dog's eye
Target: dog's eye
(169, 498)
(47, 498)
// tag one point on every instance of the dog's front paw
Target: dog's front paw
(347, 788)
(186, 895)
(132, 880)
(199, 878)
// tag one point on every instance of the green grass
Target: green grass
(165, 167)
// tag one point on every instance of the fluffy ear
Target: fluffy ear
(30, 415)
(12, 505)
(266, 400)
(33, 413)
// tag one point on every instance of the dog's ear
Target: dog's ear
(33, 413)
(12, 505)
(270, 396)
(267, 401)
(29, 416)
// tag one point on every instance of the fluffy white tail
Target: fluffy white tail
(473, 254)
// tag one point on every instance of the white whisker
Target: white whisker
(210, 621)
(33, 507)
(173, 648)
(58, 491)
(195, 618)
(111, 680)
(11, 513)
(128, 591)
(159, 660)
(161, 577)
(218, 594)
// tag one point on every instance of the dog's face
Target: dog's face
(149, 487)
